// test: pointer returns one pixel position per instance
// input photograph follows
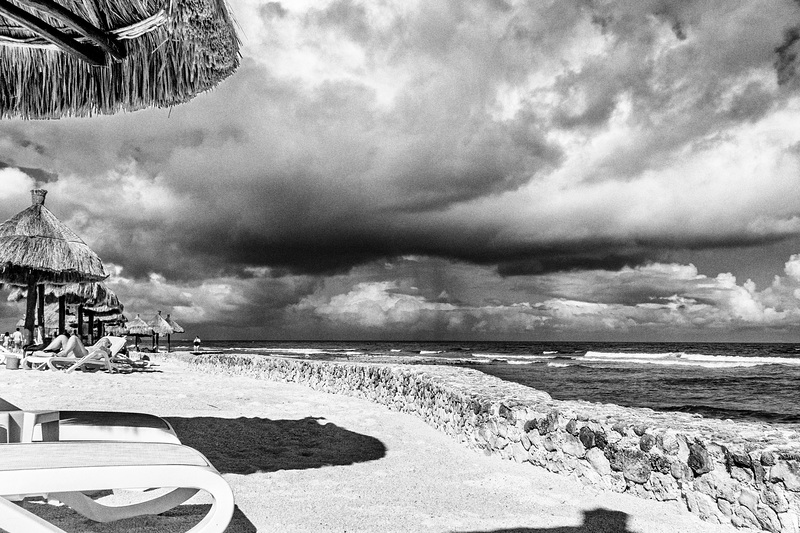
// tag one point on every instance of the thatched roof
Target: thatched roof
(114, 316)
(34, 244)
(95, 295)
(176, 328)
(160, 325)
(137, 326)
(50, 318)
(157, 53)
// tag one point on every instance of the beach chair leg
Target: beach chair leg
(105, 513)
(15, 519)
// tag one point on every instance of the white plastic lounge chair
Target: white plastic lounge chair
(95, 359)
(64, 470)
(31, 426)
(37, 360)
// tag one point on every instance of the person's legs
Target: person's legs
(73, 348)
(57, 344)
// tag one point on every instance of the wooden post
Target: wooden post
(30, 312)
(80, 321)
(91, 326)
(62, 314)
(85, 28)
(85, 52)
(40, 310)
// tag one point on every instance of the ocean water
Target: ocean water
(740, 381)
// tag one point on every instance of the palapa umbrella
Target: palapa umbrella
(36, 248)
(50, 324)
(160, 327)
(97, 297)
(105, 311)
(138, 328)
(176, 328)
(85, 57)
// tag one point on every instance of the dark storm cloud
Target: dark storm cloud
(453, 122)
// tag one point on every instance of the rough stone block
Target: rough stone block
(572, 446)
(717, 485)
(774, 495)
(725, 507)
(572, 427)
(664, 487)
(788, 472)
(636, 466)
(599, 462)
(699, 460)
(646, 442)
(746, 518)
(749, 499)
(587, 437)
(789, 523)
(768, 519)
(519, 452)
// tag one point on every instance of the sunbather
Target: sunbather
(73, 347)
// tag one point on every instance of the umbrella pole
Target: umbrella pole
(40, 309)
(62, 314)
(80, 321)
(30, 311)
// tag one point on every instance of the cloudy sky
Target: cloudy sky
(494, 169)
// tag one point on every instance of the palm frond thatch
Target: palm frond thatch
(34, 244)
(175, 49)
(96, 296)
(160, 326)
(50, 318)
(176, 328)
(137, 326)
(114, 317)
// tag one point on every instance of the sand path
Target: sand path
(299, 460)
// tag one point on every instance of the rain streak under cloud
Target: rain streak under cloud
(496, 169)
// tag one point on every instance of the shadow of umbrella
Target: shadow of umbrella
(594, 521)
(36, 248)
(250, 445)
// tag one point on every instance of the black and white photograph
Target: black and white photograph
(440, 266)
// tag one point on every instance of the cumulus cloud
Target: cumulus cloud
(652, 300)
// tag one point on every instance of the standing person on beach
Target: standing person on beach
(196, 343)
(6, 340)
(16, 337)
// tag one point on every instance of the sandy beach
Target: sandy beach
(301, 460)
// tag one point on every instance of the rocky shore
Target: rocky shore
(744, 474)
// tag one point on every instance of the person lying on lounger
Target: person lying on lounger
(72, 346)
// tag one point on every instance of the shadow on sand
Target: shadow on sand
(237, 446)
(249, 445)
(595, 521)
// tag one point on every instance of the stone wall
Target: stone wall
(745, 474)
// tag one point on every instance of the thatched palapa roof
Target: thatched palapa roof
(35, 245)
(50, 318)
(97, 296)
(137, 326)
(160, 326)
(152, 53)
(176, 328)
